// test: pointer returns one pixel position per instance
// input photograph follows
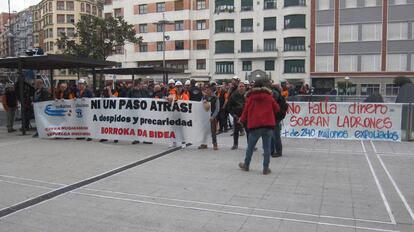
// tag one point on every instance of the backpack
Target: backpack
(281, 101)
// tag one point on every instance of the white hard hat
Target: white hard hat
(81, 81)
(187, 82)
(171, 81)
(178, 83)
(246, 82)
(236, 78)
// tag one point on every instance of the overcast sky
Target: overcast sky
(16, 5)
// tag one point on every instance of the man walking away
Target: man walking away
(259, 113)
(276, 147)
(10, 106)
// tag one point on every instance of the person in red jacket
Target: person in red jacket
(259, 113)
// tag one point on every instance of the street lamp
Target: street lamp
(346, 84)
(164, 22)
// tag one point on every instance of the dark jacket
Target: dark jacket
(195, 93)
(215, 105)
(87, 93)
(138, 93)
(260, 109)
(41, 95)
(235, 103)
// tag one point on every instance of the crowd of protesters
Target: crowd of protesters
(254, 109)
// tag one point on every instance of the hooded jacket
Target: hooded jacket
(260, 109)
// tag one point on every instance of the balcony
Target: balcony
(258, 53)
(225, 9)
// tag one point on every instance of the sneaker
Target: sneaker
(243, 167)
(276, 154)
(135, 142)
(147, 142)
(234, 147)
(266, 171)
(103, 140)
(202, 146)
(88, 139)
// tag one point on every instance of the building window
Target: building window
(88, 8)
(294, 44)
(118, 12)
(247, 65)
(371, 63)
(179, 25)
(324, 63)
(323, 4)
(60, 18)
(60, 5)
(201, 44)
(201, 64)
(348, 33)
(94, 10)
(70, 32)
(143, 47)
(179, 5)
(160, 46)
(269, 24)
(201, 4)
(392, 89)
(70, 5)
(369, 3)
(161, 7)
(294, 3)
(246, 25)
(225, 46)
(224, 6)
(160, 27)
(143, 9)
(324, 34)
(247, 46)
(295, 21)
(70, 19)
(294, 66)
(246, 5)
(179, 45)
(369, 89)
(60, 31)
(348, 63)
(143, 28)
(269, 65)
(201, 24)
(397, 62)
(82, 7)
(397, 31)
(269, 4)
(224, 68)
(371, 32)
(350, 3)
(269, 45)
(108, 15)
(400, 2)
(226, 25)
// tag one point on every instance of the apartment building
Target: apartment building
(52, 18)
(361, 44)
(22, 30)
(217, 39)
(5, 34)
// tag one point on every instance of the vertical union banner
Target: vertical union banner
(333, 120)
(147, 120)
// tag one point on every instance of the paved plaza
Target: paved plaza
(318, 185)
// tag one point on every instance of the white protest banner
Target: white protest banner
(344, 120)
(150, 120)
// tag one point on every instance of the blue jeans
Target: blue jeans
(254, 135)
(276, 140)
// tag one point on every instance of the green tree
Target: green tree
(97, 37)
(402, 80)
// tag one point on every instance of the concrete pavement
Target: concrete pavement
(318, 185)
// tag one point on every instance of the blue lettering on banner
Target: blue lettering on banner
(383, 135)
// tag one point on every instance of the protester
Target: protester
(259, 113)
(138, 91)
(171, 88)
(9, 101)
(223, 96)
(82, 91)
(180, 94)
(41, 94)
(108, 92)
(276, 146)
(195, 91)
(63, 92)
(235, 108)
(214, 102)
(158, 93)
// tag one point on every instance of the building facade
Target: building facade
(360, 46)
(218, 39)
(52, 18)
(6, 45)
(22, 30)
